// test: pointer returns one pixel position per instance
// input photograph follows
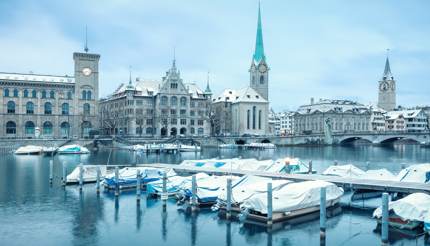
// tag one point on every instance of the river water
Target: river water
(32, 212)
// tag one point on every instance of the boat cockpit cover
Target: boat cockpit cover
(415, 207)
(379, 174)
(345, 171)
(293, 197)
(419, 173)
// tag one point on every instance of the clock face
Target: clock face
(87, 71)
(262, 68)
(384, 86)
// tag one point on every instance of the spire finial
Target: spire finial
(208, 89)
(129, 70)
(174, 57)
(259, 47)
(86, 39)
(387, 70)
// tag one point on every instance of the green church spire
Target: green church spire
(259, 47)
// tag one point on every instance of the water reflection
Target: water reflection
(138, 216)
(164, 221)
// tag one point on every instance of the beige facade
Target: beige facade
(46, 106)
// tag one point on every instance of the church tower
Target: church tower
(387, 89)
(259, 71)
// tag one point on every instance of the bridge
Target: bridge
(345, 138)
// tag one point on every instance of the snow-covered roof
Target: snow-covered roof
(36, 78)
(246, 94)
(411, 113)
(194, 90)
(326, 105)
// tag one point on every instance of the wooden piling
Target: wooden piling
(81, 176)
(310, 167)
(51, 171)
(98, 180)
(323, 211)
(164, 195)
(269, 204)
(193, 193)
(384, 222)
(116, 181)
(64, 175)
(229, 190)
(138, 185)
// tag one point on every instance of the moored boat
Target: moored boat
(89, 174)
(72, 149)
(127, 177)
(419, 173)
(174, 184)
(344, 171)
(29, 150)
(409, 212)
(292, 200)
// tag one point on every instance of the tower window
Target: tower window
(261, 79)
(173, 86)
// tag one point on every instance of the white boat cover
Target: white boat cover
(414, 207)
(293, 197)
(147, 172)
(174, 183)
(89, 175)
(419, 173)
(247, 186)
(236, 164)
(292, 165)
(209, 188)
(29, 149)
(73, 148)
(379, 174)
(345, 171)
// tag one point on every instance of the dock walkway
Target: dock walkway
(377, 185)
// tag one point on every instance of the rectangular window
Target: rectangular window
(149, 121)
(192, 122)
(174, 121)
(200, 122)
(183, 111)
(173, 111)
(183, 121)
(139, 102)
(139, 111)
(192, 113)
(149, 111)
(193, 104)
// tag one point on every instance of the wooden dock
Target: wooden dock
(377, 185)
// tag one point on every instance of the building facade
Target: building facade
(387, 89)
(47, 106)
(246, 111)
(343, 116)
(163, 108)
(412, 120)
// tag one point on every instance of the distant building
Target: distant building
(157, 108)
(412, 120)
(343, 115)
(274, 123)
(246, 111)
(49, 106)
(281, 124)
(377, 119)
(387, 89)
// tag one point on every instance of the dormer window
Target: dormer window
(248, 96)
(174, 86)
(256, 96)
(230, 92)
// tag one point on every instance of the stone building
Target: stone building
(157, 108)
(48, 106)
(343, 115)
(411, 120)
(246, 111)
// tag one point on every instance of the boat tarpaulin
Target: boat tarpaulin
(379, 174)
(414, 207)
(345, 171)
(419, 173)
(293, 197)
(249, 185)
(173, 183)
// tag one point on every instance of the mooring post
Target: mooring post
(194, 193)
(228, 210)
(310, 167)
(64, 176)
(164, 194)
(335, 163)
(269, 204)
(98, 180)
(51, 171)
(323, 216)
(116, 181)
(138, 185)
(384, 223)
(81, 176)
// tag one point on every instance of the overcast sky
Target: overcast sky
(321, 49)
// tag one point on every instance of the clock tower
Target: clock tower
(259, 70)
(387, 89)
(86, 92)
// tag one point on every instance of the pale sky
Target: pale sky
(323, 49)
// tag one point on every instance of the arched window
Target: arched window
(34, 94)
(149, 130)
(200, 131)
(88, 95)
(48, 108)
(173, 101)
(29, 108)
(86, 128)
(86, 109)
(29, 127)
(261, 79)
(69, 95)
(64, 129)
(259, 119)
(65, 109)
(248, 118)
(52, 94)
(47, 128)
(10, 127)
(6, 92)
(254, 116)
(15, 92)
(43, 94)
(183, 101)
(164, 100)
(10, 107)
(192, 130)
(84, 95)
(25, 93)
